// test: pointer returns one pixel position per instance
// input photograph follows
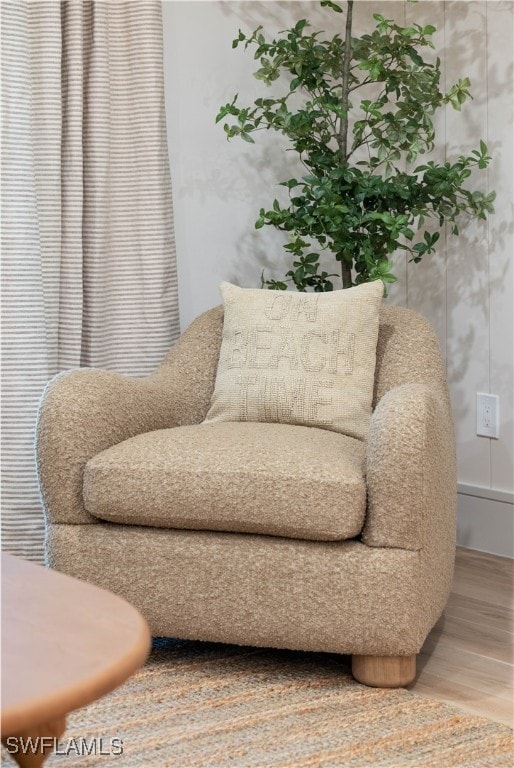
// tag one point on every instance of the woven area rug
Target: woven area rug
(220, 706)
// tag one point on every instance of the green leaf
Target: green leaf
(239, 39)
(408, 32)
(415, 57)
(329, 4)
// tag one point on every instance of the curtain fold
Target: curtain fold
(88, 256)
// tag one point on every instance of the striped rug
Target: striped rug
(219, 706)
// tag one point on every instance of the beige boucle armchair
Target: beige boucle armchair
(259, 534)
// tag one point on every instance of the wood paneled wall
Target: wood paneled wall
(467, 289)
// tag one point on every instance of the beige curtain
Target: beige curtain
(88, 260)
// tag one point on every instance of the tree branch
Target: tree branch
(359, 85)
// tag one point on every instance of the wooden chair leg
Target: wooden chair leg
(384, 671)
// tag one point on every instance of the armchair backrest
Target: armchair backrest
(407, 352)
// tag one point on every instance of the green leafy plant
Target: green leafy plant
(366, 115)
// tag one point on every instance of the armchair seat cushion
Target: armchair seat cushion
(275, 479)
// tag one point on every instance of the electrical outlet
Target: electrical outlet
(488, 415)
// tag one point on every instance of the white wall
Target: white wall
(466, 290)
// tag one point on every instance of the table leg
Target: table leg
(33, 746)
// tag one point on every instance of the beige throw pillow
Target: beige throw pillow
(298, 358)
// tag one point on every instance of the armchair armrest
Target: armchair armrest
(86, 411)
(82, 413)
(411, 473)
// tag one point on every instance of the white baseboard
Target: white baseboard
(485, 520)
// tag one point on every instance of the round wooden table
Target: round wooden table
(65, 643)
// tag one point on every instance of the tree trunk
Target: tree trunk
(345, 83)
(346, 274)
(346, 268)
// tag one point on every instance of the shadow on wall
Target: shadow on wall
(276, 16)
(459, 351)
(242, 170)
(262, 250)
